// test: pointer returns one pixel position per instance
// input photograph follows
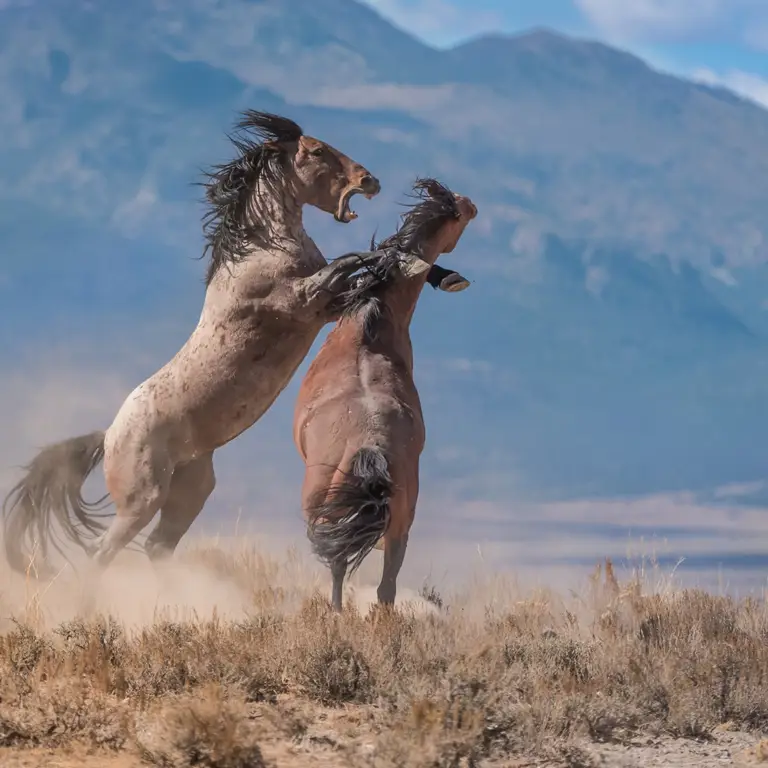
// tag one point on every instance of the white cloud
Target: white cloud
(437, 21)
(745, 84)
(724, 275)
(131, 215)
(595, 279)
(466, 365)
(652, 20)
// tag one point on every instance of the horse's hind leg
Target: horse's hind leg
(338, 572)
(191, 485)
(396, 538)
(394, 554)
(138, 480)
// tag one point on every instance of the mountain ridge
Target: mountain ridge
(617, 260)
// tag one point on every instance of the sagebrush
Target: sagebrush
(464, 683)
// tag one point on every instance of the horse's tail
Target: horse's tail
(356, 514)
(49, 494)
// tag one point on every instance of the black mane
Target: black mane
(436, 205)
(236, 221)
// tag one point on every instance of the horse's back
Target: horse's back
(356, 395)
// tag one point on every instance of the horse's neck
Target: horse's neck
(389, 331)
(281, 213)
(294, 249)
(402, 297)
(400, 302)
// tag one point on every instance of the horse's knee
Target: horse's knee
(194, 482)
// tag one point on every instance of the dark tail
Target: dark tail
(49, 495)
(356, 515)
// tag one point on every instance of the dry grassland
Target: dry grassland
(625, 674)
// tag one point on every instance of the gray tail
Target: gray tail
(347, 526)
(51, 493)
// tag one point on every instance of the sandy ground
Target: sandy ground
(736, 749)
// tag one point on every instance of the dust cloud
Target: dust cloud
(204, 582)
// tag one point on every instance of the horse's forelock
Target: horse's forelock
(435, 205)
(265, 126)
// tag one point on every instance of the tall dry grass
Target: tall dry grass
(479, 678)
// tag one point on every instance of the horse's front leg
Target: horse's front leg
(332, 280)
(448, 280)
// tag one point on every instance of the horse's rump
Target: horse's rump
(356, 513)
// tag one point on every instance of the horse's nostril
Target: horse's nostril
(370, 185)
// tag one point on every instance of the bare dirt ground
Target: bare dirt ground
(228, 659)
(732, 749)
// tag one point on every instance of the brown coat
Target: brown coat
(358, 422)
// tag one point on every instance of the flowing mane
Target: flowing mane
(236, 219)
(436, 205)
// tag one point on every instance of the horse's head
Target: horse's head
(450, 228)
(435, 223)
(277, 168)
(327, 179)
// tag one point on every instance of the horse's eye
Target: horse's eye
(316, 152)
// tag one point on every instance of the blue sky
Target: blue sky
(719, 41)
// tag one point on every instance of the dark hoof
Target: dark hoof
(454, 283)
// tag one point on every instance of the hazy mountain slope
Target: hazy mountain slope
(595, 351)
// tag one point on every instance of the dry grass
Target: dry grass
(483, 679)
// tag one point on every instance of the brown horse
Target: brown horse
(358, 424)
(269, 293)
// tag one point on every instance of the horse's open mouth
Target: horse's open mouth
(345, 214)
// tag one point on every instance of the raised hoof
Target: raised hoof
(454, 283)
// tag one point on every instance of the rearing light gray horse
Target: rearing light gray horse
(269, 293)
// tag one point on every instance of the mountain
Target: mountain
(614, 339)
